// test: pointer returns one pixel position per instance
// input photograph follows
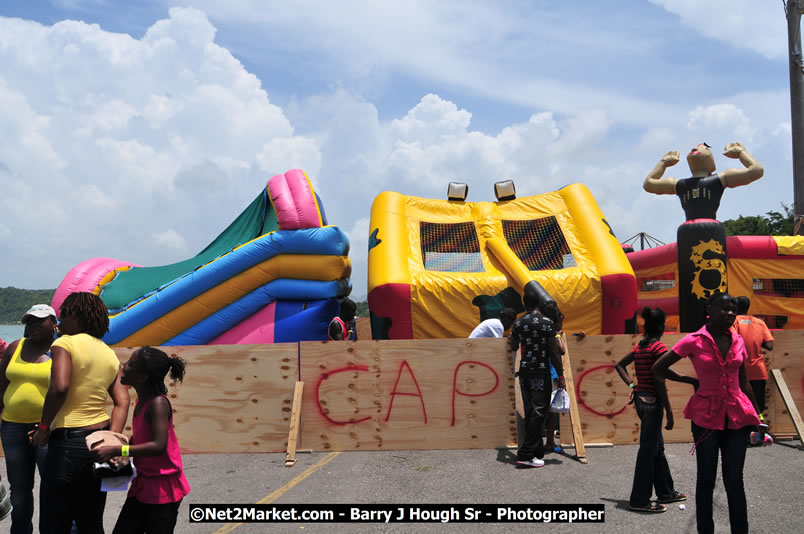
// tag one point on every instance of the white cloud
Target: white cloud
(169, 239)
(117, 138)
(757, 26)
(724, 119)
(281, 154)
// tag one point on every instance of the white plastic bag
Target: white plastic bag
(560, 401)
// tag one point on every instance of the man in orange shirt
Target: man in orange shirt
(757, 336)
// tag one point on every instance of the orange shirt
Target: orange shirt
(754, 332)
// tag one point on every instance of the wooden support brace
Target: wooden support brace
(295, 416)
(789, 403)
(575, 418)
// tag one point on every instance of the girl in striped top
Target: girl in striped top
(650, 400)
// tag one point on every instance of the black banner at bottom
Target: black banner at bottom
(397, 513)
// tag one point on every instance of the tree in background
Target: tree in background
(362, 309)
(773, 223)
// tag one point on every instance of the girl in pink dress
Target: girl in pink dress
(723, 409)
(155, 494)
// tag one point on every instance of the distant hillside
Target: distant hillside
(15, 302)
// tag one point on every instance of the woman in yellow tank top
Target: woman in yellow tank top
(85, 372)
(24, 376)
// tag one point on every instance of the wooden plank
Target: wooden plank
(234, 399)
(407, 395)
(574, 416)
(789, 403)
(293, 433)
(788, 346)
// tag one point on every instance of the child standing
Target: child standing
(650, 400)
(156, 492)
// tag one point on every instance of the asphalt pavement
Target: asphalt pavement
(773, 480)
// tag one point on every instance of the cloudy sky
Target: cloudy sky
(140, 133)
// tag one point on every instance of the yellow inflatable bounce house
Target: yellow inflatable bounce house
(438, 268)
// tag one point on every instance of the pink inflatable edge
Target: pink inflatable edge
(294, 201)
(257, 329)
(85, 277)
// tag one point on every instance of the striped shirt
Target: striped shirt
(644, 358)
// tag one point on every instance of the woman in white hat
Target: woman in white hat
(24, 375)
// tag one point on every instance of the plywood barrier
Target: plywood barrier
(235, 398)
(406, 394)
(422, 394)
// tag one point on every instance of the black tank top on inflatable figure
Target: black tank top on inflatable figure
(700, 197)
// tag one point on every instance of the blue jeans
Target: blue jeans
(22, 459)
(70, 492)
(652, 470)
(731, 445)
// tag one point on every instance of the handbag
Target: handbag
(560, 401)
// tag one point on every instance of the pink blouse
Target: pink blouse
(160, 479)
(719, 397)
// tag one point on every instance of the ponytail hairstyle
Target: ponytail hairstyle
(156, 365)
(654, 324)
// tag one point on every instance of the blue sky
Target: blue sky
(140, 133)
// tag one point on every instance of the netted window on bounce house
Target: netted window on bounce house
(779, 287)
(659, 282)
(773, 321)
(539, 243)
(452, 248)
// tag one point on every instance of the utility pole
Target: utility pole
(794, 9)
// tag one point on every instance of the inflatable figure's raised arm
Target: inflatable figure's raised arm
(736, 177)
(657, 185)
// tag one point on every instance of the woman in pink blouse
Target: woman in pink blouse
(723, 409)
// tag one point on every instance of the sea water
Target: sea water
(11, 332)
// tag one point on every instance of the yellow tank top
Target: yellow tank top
(27, 387)
(94, 369)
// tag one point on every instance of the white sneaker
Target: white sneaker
(531, 463)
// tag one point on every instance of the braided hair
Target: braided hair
(90, 311)
(156, 365)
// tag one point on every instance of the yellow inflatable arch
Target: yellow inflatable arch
(437, 268)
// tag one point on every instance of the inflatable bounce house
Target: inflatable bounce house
(438, 268)
(681, 277)
(768, 270)
(273, 275)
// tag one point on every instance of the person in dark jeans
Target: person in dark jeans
(84, 372)
(650, 400)
(536, 336)
(24, 378)
(723, 409)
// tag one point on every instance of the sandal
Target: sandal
(675, 497)
(652, 507)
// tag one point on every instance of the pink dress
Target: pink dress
(160, 479)
(719, 397)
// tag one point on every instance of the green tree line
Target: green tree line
(15, 302)
(772, 223)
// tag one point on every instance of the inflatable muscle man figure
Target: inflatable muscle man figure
(700, 194)
(701, 240)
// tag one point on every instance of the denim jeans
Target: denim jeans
(536, 390)
(69, 491)
(652, 470)
(731, 444)
(22, 459)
